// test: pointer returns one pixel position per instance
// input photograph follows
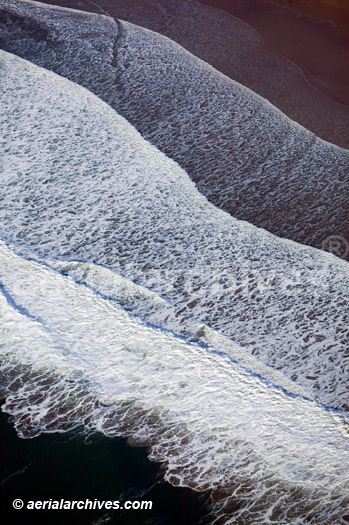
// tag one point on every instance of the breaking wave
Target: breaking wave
(80, 183)
(72, 357)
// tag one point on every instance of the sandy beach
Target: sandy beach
(174, 253)
(307, 34)
(336, 11)
(298, 63)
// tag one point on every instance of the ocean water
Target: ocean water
(73, 466)
(73, 357)
(244, 155)
(82, 184)
(237, 50)
(133, 308)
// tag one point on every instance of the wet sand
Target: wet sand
(234, 47)
(336, 11)
(319, 46)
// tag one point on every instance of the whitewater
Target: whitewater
(80, 183)
(73, 357)
(132, 306)
(244, 155)
(236, 49)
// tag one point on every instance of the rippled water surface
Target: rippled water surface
(132, 307)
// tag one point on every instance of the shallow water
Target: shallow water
(73, 357)
(232, 45)
(244, 155)
(316, 44)
(103, 194)
(132, 307)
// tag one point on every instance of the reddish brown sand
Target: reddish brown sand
(336, 11)
(314, 34)
(317, 45)
(313, 90)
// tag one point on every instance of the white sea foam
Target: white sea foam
(244, 154)
(80, 183)
(160, 313)
(92, 363)
(238, 51)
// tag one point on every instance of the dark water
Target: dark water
(69, 466)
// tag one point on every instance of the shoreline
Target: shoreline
(237, 49)
(335, 16)
(312, 44)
